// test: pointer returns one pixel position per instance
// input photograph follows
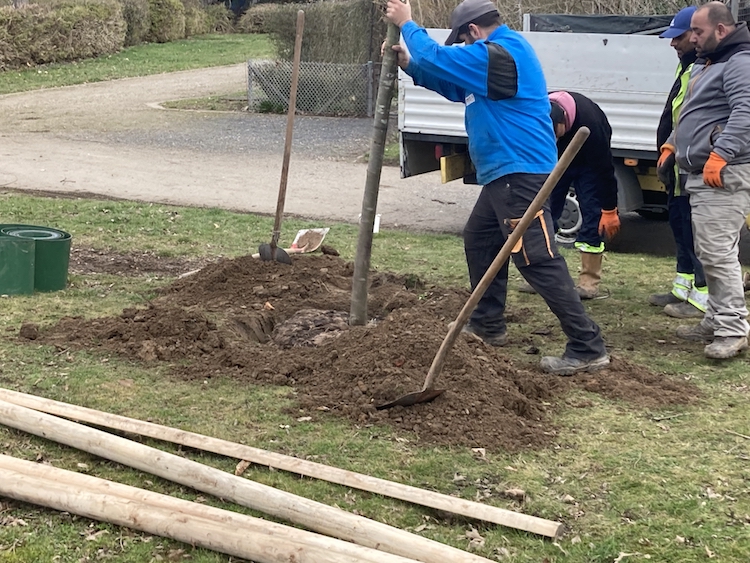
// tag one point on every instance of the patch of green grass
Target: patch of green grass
(190, 231)
(391, 155)
(142, 60)
(664, 485)
(232, 102)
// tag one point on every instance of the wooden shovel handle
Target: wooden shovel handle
(289, 129)
(502, 256)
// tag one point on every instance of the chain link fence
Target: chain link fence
(743, 10)
(331, 89)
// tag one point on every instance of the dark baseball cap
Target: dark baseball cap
(465, 13)
(680, 23)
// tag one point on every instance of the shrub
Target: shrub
(60, 31)
(219, 18)
(167, 21)
(196, 19)
(137, 18)
(336, 31)
(254, 19)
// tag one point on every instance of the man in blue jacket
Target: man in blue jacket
(511, 143)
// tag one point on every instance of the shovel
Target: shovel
(306, 241)
(270, 251)
(428, 392)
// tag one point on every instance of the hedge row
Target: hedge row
(69, 29)
(66, 30)
(336, 31)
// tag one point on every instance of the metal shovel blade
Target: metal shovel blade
(306, 241)
(268, 255)
(413, 398)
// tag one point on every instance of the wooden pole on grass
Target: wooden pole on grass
(358, 311)
(196, 524)
(313, 515)
(258, 456)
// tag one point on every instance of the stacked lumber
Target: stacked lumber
(331, 529)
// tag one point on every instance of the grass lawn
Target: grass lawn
(142, 60)
(661, 486)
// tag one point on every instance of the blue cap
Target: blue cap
(680, 23)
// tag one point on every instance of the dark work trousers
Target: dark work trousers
(682, 229)
(587, 182)
(537, 259)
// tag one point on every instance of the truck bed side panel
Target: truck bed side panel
(629, 76)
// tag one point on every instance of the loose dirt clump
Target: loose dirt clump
(266, 323)
(91, 260)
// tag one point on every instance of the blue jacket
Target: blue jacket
(501, 82)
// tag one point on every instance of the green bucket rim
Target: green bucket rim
(34, 232)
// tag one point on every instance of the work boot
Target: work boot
(684, 310)
(494, 340)
(591, 275)
(695, 333)
(526, 288)
(681, 287)
(724, 347)
(569, 366)
(663, 299)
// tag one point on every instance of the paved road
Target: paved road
(113, 139)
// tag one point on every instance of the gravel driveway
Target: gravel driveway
(113, 139)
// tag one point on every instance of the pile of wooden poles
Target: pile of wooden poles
(335, 536)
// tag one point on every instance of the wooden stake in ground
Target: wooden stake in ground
(196, 524)
(383, 487)
(358, 311)
(313, 515)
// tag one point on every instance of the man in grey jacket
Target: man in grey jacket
(711, 141)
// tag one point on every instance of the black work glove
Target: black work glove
(665, 168)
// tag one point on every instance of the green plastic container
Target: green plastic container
(52, 254)
(17, 258)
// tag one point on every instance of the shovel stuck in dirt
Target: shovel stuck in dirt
(428, 392)
(306, 241)
(270, 251)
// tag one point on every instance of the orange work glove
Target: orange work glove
(666, 150)
(712, 170)
(609, 224)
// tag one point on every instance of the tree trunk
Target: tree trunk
(358, 311)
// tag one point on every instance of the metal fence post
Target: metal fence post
(370, 85)
(250, 85)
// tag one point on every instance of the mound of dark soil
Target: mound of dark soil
(271, 324)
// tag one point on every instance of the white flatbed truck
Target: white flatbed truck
(629, 76)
